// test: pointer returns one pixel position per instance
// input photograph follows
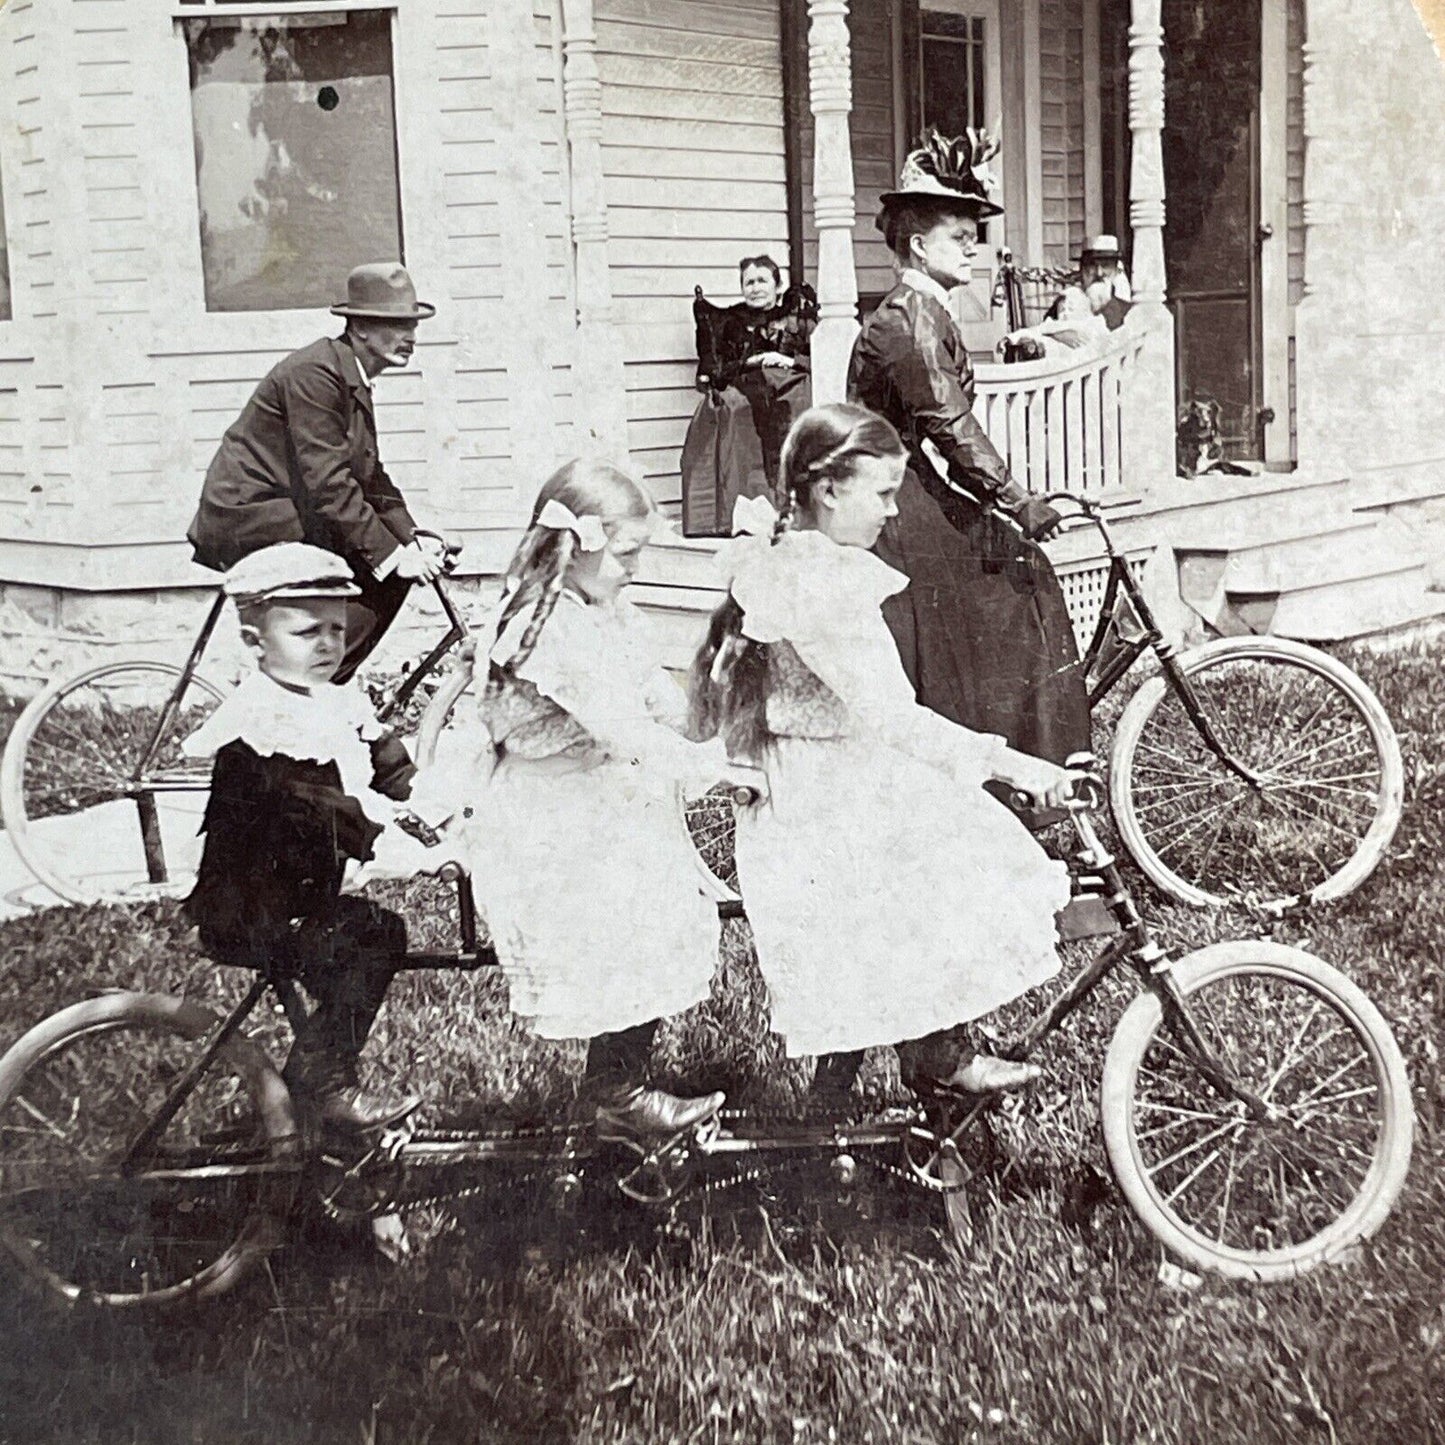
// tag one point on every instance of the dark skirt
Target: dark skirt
(733, 445)
(982, 627)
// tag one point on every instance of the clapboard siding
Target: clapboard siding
(1061, 125)
(870, 128)
(1295, 147)
(693, 178)
(110, 109)
(30, 200)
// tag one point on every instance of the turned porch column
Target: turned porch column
(1146, 171)
(1148, 394)
(830, 96)
(599, 384)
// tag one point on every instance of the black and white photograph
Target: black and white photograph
(722, 721)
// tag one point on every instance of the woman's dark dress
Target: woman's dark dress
(982, 627)
(736, 435)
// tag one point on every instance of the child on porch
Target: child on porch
(891, 897)
(578, 855)
(304, 779)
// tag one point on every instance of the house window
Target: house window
(295, 136)
(6, 310)
(958, 69)
(954, 91)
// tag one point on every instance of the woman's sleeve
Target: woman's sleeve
(860, 663)
(938, 393)
(571, 667)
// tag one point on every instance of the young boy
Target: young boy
(304, 778)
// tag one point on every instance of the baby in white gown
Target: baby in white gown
(891, 897)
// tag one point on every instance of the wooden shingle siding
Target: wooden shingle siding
(694, 179)
(1295, 144)
(1061, 68)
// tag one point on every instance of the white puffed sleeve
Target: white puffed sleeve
(825, 600)
(587, 668)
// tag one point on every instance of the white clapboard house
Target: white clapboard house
(185, 183)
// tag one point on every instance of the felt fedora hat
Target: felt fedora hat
(1101, 248)
(382, 290)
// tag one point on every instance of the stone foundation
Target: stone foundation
(49, 632)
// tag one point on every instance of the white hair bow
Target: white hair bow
(591, 535)
(754, 516)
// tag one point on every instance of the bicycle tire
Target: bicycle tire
(74, 1092)
(66, 757)
(708, 820)
(1295, 839)
(1276, 1234)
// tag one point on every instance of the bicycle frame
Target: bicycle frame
(1111, 652)
(1133, 944)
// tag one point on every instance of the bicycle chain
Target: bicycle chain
(706, 1188)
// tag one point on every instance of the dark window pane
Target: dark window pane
(295, 135)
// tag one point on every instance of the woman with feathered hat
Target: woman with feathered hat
(982, 626)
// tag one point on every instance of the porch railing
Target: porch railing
(1063, 423)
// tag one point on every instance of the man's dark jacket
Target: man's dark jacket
(300, 464)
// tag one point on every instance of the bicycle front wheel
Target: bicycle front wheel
(1297, 803)
(196, 1208)
(1261, 1198)
(97, 797)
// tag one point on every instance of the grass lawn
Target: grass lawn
(772, 1311)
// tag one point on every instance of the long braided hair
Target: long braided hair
(728, 686)
(538, 570)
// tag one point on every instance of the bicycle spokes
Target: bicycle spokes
(1263, 780)
(1270, 1177)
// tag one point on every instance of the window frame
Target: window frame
(989, 12)
(193, 324)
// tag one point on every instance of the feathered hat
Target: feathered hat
(954, 173)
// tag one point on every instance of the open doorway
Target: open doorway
(1212, 233)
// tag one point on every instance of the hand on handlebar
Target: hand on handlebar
(418, 563)
(749, 784)
(1044, 784)
(1038, 520)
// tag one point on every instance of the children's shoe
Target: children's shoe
(654, 1113)
(353, 1110)
(986, 1074)
(983, 1074)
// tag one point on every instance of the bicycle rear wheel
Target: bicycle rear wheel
(1311, 803)
(200, 1206)
(97, 797)
(1259, 1198)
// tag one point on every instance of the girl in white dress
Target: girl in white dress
(579, 857)
(892, 899)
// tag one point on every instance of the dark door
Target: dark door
(1212, 225)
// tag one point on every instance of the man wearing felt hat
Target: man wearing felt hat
(300, 464)
(982, 627)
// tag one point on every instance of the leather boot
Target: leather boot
(982, 1074)
(324, 1081)
(638, 1113)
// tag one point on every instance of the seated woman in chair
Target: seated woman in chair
(754, 376)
